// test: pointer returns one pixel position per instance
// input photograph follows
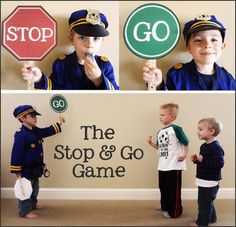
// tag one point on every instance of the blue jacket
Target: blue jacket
(213, 161)
(68, 74)
(27, 152)
(186, 77)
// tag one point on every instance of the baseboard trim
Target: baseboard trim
(113, 194)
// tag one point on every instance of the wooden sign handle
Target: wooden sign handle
(30, 82)
(152, 65)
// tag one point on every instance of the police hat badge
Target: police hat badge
(93, 17)
(23, 189)
(89, 23)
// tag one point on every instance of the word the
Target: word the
(96, 133)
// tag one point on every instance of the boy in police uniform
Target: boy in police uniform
(27, 153)
(204, 38)
(83, 69)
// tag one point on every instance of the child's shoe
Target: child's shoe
(165, 214)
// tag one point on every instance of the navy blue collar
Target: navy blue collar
(216, 82)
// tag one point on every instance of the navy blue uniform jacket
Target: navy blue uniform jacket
(27, 152)
(68, 74)
(186, 77)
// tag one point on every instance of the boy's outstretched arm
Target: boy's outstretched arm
(149, 140)
(52, 129)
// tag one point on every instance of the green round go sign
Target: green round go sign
(151, 31)
(58, 103)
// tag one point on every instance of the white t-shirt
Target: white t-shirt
(206, 183)
(171, 141)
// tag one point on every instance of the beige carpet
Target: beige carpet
(110, 213)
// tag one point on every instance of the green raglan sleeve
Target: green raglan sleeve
(180, 135)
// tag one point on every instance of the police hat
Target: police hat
(89, 23)
(202, 23)
(23, 110)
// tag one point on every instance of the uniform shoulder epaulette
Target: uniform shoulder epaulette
(178, 66)
(103, 58)
(62, 57)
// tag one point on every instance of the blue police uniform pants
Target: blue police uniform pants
(206, 208)
(27, 205)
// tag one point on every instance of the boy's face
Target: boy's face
(206, 46)
(29, 119)
(204, 132)
(166, 117)
(85, 44)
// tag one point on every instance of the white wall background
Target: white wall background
(133, 117)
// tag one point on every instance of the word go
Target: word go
(150, 31)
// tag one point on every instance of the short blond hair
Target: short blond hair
(171, 107)
(213, 123)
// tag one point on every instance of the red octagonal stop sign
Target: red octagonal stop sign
(29, 33)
